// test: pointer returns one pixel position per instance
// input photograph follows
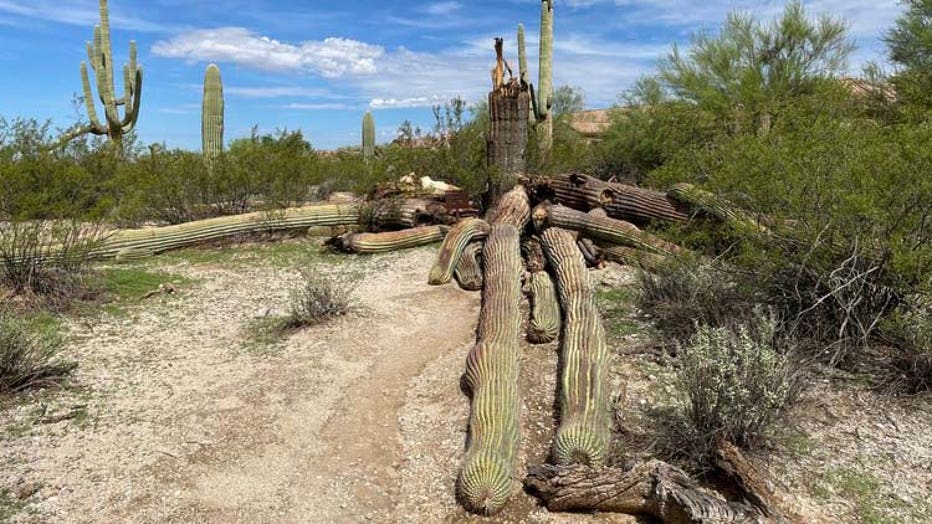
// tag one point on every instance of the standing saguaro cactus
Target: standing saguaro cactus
(368, 136)
(545, 78)
(212, 113)
(100, 58)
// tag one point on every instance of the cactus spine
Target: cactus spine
(453, 246)
(545, 80)
(212, 113)
(585, 417)
(100, 59)
(485, 482)
(368, 136)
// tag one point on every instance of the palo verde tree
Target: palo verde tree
(910, 46)
(750, 68)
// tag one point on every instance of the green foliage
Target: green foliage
(738, 383)
(910, 40)
(567, 100)
(28, 356)
(749, 68)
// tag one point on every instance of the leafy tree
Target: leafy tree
(567, 99)
(749, 68)
(910, 40)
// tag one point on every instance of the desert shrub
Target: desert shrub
(909, 333)
(320, 297)
(738, 383)
(28, 357)
(685, 293)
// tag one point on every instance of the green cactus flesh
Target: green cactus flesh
(585, 421)
(522, 55)
(100, 60)
(368, 135)
(485, 482)
(468, 271)
(545, 73)
(709, 204)
(393, 240)
(454, 244)
(212, 113)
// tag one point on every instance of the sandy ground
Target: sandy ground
(361, 419)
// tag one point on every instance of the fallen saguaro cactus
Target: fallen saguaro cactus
(620, 201)
(709, 204)
(653, 488)
(468, 272)
(409, 212)
(485, 482)
(585, 418)
(460, 235)
(591, 253)
(604, 229)
(628, 256)
(133, 243)
(544, 322)
(369, 243)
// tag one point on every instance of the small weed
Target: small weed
(860, 488)
(617, 306)
(319, 298)
(265, 332)
(10, 505)
(28, 354)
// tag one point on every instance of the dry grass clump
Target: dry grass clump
(28, 356)
(319, 298)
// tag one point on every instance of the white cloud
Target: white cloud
(331, 57)
(84, 14)
(323, 106)
(394, 103)
(442, 8)
(274, 91)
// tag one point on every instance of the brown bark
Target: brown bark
(507, 140)
(753, 483)
(652, 488)
(620, 201)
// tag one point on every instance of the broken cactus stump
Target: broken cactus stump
(652, 489)
(453, 246)
(486, 480)
(585, 417)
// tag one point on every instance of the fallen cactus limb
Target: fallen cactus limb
(485, 483)
(133, 243)
(514, 208)
(468, 272)
(591, 253)
(544, 322)
(460, 235)
(653, 489)
(708, 204)
(629, 256)
(369, 243)
(620, 201)
(408, 213)
(604, 229)
(585, 417)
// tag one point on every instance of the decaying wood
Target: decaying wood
(620, 201)
(654, 488)
(509, 106)
(591, 253)
(411, 212)
(753, 483)
(604, 229)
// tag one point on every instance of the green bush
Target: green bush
(28, 357)
(738, 382)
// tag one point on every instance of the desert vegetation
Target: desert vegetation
(773, 214)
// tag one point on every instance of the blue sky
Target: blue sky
(318, 66)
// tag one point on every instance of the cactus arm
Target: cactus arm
(545, 318)
(486, 480)
(369, 243)
(453, 246)
(600, 228)
(132, 108)
(522, 55)
(95, 126)
(585, 416)
(708, 204)
(468, 271)
(545, 80)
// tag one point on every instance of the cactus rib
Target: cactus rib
(544, 323)
(585, 421)
(392, 240)
(485, 482)
(468, 271)
(451, 251)
(514, 208)
(368, 136)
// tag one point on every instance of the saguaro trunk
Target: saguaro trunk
(507, 142)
